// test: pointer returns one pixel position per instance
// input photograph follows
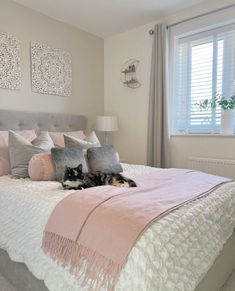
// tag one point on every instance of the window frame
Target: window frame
(204, 26)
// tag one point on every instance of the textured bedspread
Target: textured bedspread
(173, 254)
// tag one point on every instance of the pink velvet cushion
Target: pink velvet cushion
(58, 137)
(5, 168)
(41, 168)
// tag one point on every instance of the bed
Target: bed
(170, 255)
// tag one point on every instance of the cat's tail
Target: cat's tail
(132, 183)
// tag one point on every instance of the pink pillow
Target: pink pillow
(5, 167)
(58, 137)
(41, 168)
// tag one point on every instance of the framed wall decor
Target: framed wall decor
(128, 74)
(51, 70)
(10, 72)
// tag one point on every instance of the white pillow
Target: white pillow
(90, 141)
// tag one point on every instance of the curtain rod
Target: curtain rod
(151, 31)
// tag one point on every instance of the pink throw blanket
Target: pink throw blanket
(96, 228)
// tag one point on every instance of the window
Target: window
(204, 66)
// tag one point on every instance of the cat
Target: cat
(75, 179)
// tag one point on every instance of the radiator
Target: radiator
(219, 167)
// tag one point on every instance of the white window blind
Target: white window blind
(204, 66)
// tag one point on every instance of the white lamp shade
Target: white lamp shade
(106, 123)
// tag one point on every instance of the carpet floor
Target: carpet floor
(5, 285)
(230, 284)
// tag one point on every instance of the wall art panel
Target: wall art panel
(10, 73)
(51, 70)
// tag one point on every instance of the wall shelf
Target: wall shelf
(128, 74)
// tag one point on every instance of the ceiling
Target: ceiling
(107, 17)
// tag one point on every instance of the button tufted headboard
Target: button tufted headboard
(19, 120)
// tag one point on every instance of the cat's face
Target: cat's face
(73, 174)
(73, 178)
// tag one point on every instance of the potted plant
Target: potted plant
(227, 115)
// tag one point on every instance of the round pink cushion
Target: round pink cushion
(5, 168)
(41, 168)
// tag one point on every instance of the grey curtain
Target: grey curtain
(158, 154)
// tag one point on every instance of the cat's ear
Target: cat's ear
(79, 168)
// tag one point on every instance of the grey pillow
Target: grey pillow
(67, 157)
(90, 141)
(21, 151)
(104, 159)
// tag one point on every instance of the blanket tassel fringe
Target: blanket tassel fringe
(96, 270)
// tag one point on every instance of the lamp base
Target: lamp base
(106, 138)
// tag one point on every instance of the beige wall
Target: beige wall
(87, 63)
(200, 146)
(131, 105)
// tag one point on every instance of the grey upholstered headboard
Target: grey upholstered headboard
(19, 120)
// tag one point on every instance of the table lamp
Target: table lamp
(106, 124)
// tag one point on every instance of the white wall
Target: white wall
(87, 63)
(131, 105)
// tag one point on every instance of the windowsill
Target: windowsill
(201, 135)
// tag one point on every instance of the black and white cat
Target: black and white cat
(75, 179)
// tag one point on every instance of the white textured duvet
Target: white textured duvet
(173, 254)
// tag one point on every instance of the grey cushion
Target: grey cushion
(67, 157)
(104, 159)
(90, 141)
(21, 151)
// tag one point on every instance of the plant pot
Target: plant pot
(227, 121)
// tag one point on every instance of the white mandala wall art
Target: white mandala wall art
(10, 73)
(51, 70)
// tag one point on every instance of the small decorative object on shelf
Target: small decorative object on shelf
(128, 74)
